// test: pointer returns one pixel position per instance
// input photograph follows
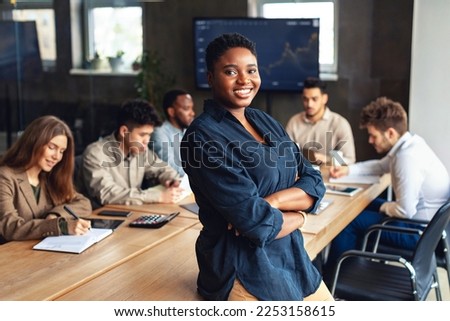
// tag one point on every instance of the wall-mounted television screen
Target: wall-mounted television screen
(288, 49)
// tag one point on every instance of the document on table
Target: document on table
(356, 179)
(73, 243)
(184, 184)
(324, 203)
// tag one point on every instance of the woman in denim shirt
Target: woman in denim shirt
(251, 184)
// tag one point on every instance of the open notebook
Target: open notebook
(73, 243)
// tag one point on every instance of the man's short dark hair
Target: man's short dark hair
(170, 97)
(313, 82)
(136, 113)
(217, 47)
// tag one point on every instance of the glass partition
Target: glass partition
(45, 68)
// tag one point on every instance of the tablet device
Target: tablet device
(104, 223)
(114, 213)
(193, 207)
(342, 190)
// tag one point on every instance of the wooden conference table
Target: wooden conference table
(145, 264)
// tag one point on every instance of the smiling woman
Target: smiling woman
(36, 174)
(250, 182)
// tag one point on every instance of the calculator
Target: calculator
(153, 220)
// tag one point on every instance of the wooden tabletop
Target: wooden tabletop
(156, 208)
(145, 264)
(322, 228)
(166, 272)
(27, 274)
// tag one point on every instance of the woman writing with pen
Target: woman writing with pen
(36, 183)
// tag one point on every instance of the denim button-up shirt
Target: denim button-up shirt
(230, 173)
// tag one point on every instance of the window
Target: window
(325, 10)
(112, 27)
(43, 14)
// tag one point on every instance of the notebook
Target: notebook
(73, 243)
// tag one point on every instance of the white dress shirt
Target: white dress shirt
(419, 179)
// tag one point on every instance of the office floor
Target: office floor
(445, 289)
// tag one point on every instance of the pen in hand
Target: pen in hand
(69, 210)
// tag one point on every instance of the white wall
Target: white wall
(429, 110)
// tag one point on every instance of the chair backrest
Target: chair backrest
(423, 259)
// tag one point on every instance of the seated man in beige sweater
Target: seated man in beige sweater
(318, 130)
(114, 168)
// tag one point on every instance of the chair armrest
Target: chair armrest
(369, 256)
(421, 224)
(389, 219)
(380, 227)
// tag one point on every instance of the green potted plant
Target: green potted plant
(116, 61)
(152, 79)
(96, 62)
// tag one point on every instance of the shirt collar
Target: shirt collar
(325, 116)
(174, 129)
(405, 137)
(211, 107)
(113, 137)
(217, 111)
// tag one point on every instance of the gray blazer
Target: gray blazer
(22, 217)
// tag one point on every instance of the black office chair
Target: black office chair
(442, 251)
(365, 276)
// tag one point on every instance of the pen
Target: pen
(68, 210)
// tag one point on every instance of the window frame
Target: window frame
(326, 70)
(88, 20)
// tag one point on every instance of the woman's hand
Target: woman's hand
(230, 227)
(78, 227)
(291, 222)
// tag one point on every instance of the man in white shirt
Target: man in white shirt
(318, 130)
(178, 107)
(419, 179)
